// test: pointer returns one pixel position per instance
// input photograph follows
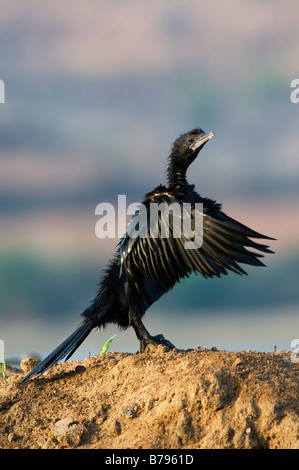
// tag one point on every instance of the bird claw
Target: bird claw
(153, 342)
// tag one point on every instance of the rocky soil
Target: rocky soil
(155, 400)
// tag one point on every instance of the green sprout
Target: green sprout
(107, 344)
(3, 362)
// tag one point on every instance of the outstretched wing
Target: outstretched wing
(152, 263)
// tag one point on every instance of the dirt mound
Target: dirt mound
(162, 400)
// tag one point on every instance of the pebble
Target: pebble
(28, 364)
(68, 432)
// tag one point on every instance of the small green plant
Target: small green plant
(3, 361)
(107, 344)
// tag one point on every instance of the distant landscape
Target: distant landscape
(95, 95)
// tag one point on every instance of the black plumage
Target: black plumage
(146, 267)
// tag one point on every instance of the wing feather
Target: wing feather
(152, 266)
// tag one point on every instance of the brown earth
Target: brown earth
(161, 400)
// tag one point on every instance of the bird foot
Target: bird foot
(153, 342)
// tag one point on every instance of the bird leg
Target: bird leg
(146, 339)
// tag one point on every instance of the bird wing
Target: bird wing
(151, 263)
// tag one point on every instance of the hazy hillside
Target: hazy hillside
(95, 94)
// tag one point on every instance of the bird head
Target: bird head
(186, 148)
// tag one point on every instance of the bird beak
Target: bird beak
(202, 139)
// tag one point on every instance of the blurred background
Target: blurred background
(95, 94)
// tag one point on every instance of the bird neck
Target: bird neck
(177, 178)
(177, 169)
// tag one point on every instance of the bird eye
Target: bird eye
(190, 140)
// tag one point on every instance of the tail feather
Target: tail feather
(67, 348)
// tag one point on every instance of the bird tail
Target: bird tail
(67, 348)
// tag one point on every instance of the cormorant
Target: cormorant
(146, 267)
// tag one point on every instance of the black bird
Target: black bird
(146, 267)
